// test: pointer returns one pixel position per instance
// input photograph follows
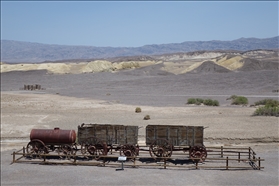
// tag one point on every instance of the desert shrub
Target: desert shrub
(199, 101)
(147, 117)
(210, 102)
(239, 100)
(138, 110)
(270, 108)
(196, 101)
(267, 111)
(191, 101)
(215, 103)
(261, 102)
(232, 97)
(268, 102)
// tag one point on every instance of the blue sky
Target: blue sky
(136, 23)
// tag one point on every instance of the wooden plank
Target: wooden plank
(111, 134)
(177, 135)
(132, 134)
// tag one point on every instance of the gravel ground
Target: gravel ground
(35, 174)
(21, 112)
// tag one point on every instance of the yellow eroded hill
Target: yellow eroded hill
(192, 67)
(97, 66)
(76, 68)
(230, 63)
(17, 67)
(181, 67)
(56, 68)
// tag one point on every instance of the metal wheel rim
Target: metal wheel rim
(36, 148)
(160, 148)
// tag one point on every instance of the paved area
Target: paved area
(36, 174)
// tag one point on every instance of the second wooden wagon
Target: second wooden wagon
(164, 139)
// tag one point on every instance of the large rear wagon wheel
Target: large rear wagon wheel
(160, 148)
(198, 153)
(36, 148)
(94, 146)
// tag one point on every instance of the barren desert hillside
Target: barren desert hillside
(219, 62)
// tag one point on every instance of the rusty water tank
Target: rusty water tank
(53, 136)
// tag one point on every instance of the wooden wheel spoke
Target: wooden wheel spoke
(36, 148)
(129, 150)
(91, 149)
(94, 146)
(160, 148)
(68, 150)
(83, 149)
(198, 153)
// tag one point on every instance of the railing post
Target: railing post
(134, 162)
(221, 151)
(259, 163)
(227, 163)
(23, 150)
(238, 157)
(249, 154)
(164, 163)
(14, 157)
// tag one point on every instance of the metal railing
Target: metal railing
(217, 158)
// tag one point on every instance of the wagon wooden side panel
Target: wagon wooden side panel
(176, 135)
(111, 134)
(126, 134)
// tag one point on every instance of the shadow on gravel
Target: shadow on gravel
(173, 161)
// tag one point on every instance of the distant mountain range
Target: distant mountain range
(18, 51)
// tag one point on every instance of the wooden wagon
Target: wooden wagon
(164, 139)
(99, 139)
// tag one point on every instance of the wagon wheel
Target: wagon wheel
(83, 148)
(67, 150)
(198, 152)
(160, 148)
(74, 147)
(129, 150)
(95, 146)
(36, 148)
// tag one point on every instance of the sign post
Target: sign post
(122, 159)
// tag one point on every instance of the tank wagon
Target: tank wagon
(47, 140)
(100, 139)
